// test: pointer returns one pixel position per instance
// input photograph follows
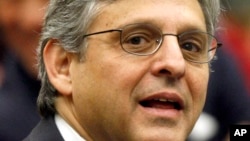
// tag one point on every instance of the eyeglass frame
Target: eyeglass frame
(161, 41)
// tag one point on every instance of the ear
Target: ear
(57, 62)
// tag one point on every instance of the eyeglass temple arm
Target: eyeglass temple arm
(101, 32)
(218, 46)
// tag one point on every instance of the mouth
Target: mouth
(167, 105)
(161, 103)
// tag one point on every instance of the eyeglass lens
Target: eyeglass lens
(145, 39)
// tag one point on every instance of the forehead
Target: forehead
(169, 14)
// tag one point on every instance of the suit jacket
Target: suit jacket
(18, 94)
(46, 130)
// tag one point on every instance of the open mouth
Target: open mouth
(161, 103)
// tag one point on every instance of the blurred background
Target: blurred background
(236, 21)
(229, 86)
(20, 27)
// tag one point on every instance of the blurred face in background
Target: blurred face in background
(20, 21)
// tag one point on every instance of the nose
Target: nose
(169, 59)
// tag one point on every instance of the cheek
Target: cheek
(101, 91)
(197, 83)
(104, 81)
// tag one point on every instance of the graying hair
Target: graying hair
(67, 21)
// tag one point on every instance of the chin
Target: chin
(163, 138)
(157, 135)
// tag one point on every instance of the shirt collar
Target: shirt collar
(67, 132)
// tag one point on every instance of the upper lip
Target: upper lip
(165, 96)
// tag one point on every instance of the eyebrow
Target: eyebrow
(158, 24)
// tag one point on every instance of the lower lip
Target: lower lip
(171, 113)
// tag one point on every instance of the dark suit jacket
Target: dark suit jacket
(18, 94)
(46, 130)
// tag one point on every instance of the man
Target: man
(124, 70)
(20, 27)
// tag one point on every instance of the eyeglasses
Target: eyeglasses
(145, 39)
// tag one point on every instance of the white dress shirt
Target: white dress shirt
(67, 132)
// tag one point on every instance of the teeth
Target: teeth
(171, 101)
(164, 100)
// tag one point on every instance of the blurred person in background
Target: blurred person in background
(237, 35)
(228, 98)
(20, 24)
(227, 101)
(1, 59)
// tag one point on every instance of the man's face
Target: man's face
(121, 96)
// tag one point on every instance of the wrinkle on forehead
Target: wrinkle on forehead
(119, 14)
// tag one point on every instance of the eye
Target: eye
(140, 38)
(193, 50)
(190, 46)
(193, 42)
(137, 42)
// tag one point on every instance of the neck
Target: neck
(65, 109)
